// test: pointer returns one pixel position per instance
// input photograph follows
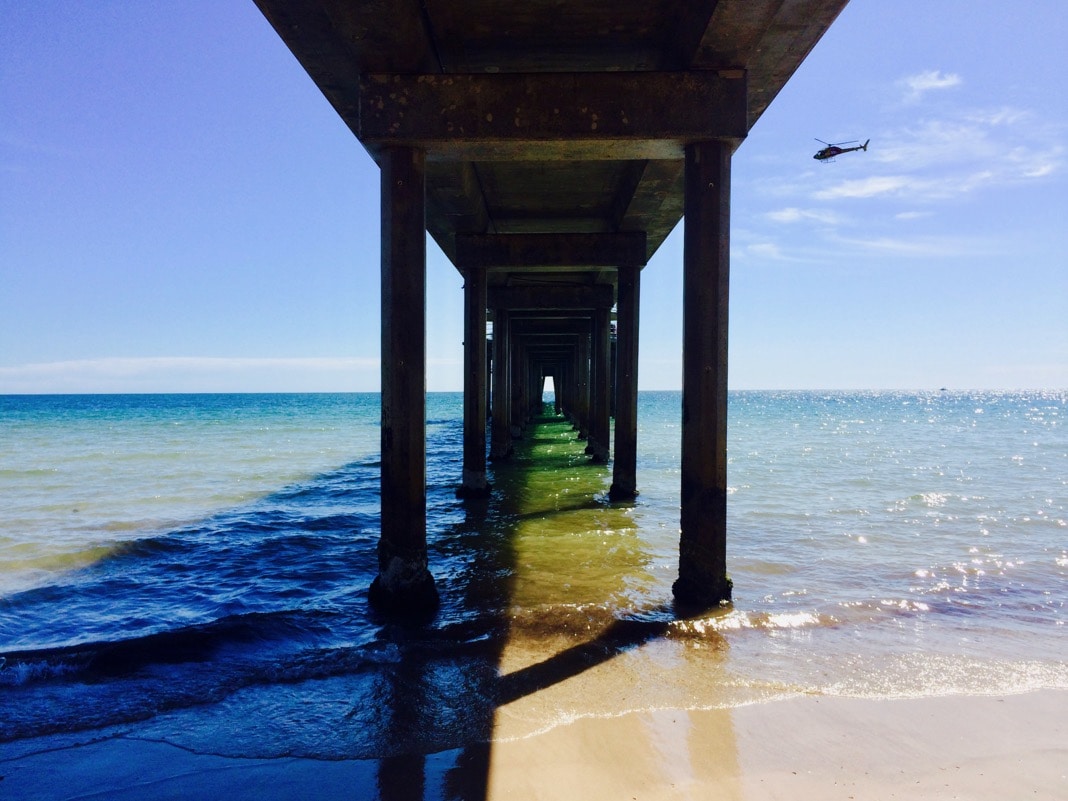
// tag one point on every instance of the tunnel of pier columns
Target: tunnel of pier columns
(549, 148)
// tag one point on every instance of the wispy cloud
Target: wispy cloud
(871, 186)
(916, 86)
(926, 246)
(793, 214)
(1005, 137)
(912, 187)
(938, 142)
(1030, 163)
(937, 159)
(764, 250)
(1006, 115)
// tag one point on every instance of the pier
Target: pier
(549, 149)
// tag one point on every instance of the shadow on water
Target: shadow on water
(537, 585)
(526, 546)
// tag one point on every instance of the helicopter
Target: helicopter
(836, 149)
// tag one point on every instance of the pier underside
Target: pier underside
(549, 148)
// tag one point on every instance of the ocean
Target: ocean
(192, 565)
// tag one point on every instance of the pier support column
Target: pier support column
(404, 583)
(518, 383)
(473, 483)
(501, 435)
(564, 389)
(625, 457)
(487, 388)
(600, 386)
(582, 386)
(703, 576)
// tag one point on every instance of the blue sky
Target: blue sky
(181, 210)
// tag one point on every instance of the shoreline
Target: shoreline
(813, 748)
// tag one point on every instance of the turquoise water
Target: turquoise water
(187, 562)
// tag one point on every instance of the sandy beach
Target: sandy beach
(996, 747)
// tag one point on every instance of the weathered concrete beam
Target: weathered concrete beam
(552, 297)
(551, 318)
(551, 250)
(770, 37)
(455, 187)
(544, 355)
(657, 194)
(544, 116)
(547, 330)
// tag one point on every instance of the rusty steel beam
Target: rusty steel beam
(567, 298)
(515, 251)
(542, 116)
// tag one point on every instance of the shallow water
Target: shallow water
(201, 563)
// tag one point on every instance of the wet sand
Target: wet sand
(823, 748)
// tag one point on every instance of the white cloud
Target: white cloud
(767, 250)
(1039, 171)
(1032, 163)
(916, 86)
(785, 215)
(1006, 115)
(999, 146)
(942, 160)
(919, 246)
(793, 214)
(936, 142)
(865, 187)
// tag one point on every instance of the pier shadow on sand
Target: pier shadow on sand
(529, 540)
